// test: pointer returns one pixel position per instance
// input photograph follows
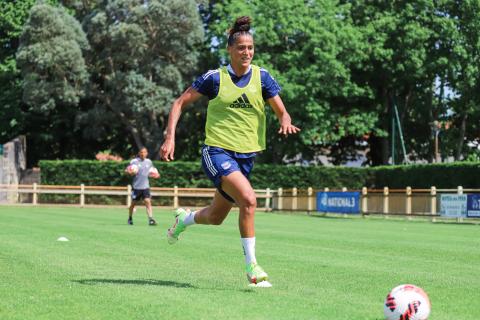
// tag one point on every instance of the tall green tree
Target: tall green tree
(109, 83)
(464, 73)
(142, 53)
(310, 48)
(13, 15)
(399, 37)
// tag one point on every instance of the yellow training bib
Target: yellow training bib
(236, 117)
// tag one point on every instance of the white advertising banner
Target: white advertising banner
(453, 205)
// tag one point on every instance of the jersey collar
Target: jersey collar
(230, 69)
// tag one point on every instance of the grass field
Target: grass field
(320, 268)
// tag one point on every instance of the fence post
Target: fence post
(35, 195)
(460, 191)
(175, 197)
(408, 201)
(433, 202)
(82, 195)
(280, 199)
(386, 203)
(267, 200)
(309, 199)
(364, 200)
(294, 199)
(129, 198)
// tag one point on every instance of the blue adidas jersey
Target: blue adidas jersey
(208, 84)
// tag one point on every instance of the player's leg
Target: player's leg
(215, 213)
(131, 209)
(238, 187)
(148, 206)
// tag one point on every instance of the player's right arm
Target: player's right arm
(168, 148)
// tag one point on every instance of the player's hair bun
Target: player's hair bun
(241, 24)
(240, 27)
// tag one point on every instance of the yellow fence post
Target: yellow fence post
(175, 197)
(408, 203)
(35, 195)
(294, 199)
(386, 202)
(364, 200)
(433, 202)
(82, 195)
(129, 198)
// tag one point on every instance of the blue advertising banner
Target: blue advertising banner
(473, 205)
(338, 202)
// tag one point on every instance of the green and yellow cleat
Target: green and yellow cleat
(255, 274)
(178, 227)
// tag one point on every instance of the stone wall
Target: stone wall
(13, 163)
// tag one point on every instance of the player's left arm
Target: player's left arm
(286, 126)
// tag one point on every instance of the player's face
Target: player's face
(241, 52)
(143, 154)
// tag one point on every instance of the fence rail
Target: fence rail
(408, 201)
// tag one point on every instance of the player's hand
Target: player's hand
(288, 128)
(167, 150)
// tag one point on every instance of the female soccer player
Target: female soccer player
(235, 133)
(141, 185)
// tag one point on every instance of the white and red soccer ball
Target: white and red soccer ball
(407, 302)
(153, 173)
(132, 169)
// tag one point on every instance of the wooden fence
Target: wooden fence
(385, 201)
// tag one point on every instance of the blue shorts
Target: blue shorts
(218, 162)
(139, 194)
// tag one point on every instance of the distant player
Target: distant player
(235, 133)
(141, 168)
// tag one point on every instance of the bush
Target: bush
(190, 174)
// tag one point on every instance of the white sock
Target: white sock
(189, 219)
(249, 250)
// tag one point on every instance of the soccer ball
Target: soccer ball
(132, 169)
(406, 302)
(153, 173)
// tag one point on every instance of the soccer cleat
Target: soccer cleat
(178, 227)
(255, 273)
(152, 222)
(130, 221)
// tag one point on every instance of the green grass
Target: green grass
(320, 268)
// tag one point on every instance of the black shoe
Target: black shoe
(130, 221)
(152, 222)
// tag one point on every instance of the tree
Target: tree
(13, 15)
(51, 59)
(464, 72)
(310, 48)
(142, 53)
(110, 83)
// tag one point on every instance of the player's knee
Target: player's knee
(249, 201)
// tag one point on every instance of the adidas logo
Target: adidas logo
(241, 102)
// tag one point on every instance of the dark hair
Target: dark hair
(240, 27)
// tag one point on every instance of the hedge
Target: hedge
(190, 174)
